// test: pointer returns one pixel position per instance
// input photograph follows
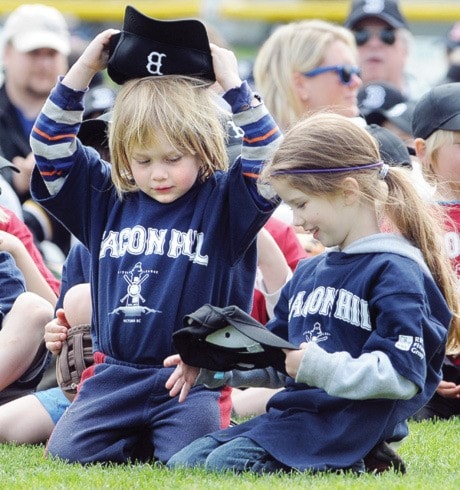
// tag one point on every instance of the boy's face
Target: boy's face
(162, 172)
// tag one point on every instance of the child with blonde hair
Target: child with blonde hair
(169, 229)
(371, 314)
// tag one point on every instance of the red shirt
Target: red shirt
(286, 238)
(16, 227)
(452, 234)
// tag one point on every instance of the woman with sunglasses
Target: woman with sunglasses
(306, 67)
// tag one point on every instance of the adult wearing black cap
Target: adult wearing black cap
(383, 38)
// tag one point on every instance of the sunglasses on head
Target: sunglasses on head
(363, 36)
(345, 72)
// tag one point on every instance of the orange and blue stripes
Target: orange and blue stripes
(54, 136)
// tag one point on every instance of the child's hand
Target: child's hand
(182, 379)
(294, 358)
(225, 67)
(56, 332)
(448, 389)
(96, 54)
(93, 59)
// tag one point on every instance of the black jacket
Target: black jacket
(15, 142)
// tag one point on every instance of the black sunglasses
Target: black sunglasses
(363, 36)
(345, 72)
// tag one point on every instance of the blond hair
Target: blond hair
(326, 140)
(434, 142)
(182, 109)
(294, 47)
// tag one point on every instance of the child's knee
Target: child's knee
(77, 305)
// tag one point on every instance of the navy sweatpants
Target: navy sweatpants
(123, 413)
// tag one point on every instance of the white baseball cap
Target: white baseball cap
(35, 26)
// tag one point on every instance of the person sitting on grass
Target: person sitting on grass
(371, 315)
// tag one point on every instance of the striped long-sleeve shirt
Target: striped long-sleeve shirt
(153, 263)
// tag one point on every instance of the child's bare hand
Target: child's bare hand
(96, 54)
(56, 332)
(294, 358)
(182, 379)
(93, 59)
(448, 389)
(225, 67)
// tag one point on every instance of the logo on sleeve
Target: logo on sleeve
(413, 344)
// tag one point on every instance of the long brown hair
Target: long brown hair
(327, 140)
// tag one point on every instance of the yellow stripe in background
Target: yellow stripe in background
(260, 10)
(333, 10)
(109, 10)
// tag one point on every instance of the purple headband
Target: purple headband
(322, 170)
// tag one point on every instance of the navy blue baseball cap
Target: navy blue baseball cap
(151, 47)
(386, 10)
(392, 148)
(376, 97)
(439, 108)
(222, 339)
(401, 115)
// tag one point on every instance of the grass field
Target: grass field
(431, 453)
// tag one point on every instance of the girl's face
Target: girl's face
(334, 220)
(323, 217)
(325, 91)
(162, 172)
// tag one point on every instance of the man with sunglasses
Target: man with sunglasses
(383, 37)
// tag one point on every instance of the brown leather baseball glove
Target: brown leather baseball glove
(76, 355)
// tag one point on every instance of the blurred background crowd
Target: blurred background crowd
(245, 24)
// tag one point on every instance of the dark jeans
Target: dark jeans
(238, 455)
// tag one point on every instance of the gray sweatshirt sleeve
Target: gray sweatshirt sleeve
(268, 378)
(369, 376)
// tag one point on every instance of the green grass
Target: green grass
(431, 453)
